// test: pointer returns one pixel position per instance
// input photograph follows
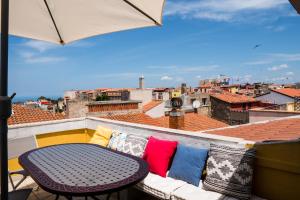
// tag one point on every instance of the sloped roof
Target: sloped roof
(193, 122)
(22, 115)
(284, 129)
(291, 92)
(151, 105)
(233, 98)
(140, 118)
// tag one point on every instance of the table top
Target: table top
(82, 169)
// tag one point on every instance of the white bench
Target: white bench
(169, 188)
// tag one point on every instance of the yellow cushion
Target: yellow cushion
(101, 136)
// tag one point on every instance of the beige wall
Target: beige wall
(263, 115)
(76, 108)
(141, 95)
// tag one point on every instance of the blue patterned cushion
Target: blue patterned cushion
(188, 164)
(117, 140)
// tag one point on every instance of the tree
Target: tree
(102, 97)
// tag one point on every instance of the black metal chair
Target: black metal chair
(16, 147)
(19, 194)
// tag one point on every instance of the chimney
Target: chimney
(176, 116)
(141, 83)
(183, 88)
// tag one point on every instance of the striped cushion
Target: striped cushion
(230, 171)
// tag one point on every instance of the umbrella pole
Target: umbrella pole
(5, 101)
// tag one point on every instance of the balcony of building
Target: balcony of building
(276, 172)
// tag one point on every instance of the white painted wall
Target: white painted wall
(276, 98)
(157, 111)
(199, 139)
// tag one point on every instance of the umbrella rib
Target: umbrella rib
(58, 33)
(141, 11)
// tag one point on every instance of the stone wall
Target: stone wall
(76, 108)
(220, 110)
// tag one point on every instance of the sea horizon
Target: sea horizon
(22, 99)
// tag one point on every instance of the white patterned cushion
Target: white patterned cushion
(117, 140)
(158, 186)
(191, 192)
(135, 145)
(230, 171)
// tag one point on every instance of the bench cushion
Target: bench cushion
(230, 171)
(135, 145)
(188, 164)
(101, 136)
(158, 186)
(190, 192)
(117, 140)
(158, 155)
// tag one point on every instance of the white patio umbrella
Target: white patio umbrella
(62, 22)
(296, 4)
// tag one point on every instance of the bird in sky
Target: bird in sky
(256, 46)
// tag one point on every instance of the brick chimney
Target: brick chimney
(176, 116)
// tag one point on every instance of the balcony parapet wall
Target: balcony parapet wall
(191, 138)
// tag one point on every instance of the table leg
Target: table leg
(123, 195)
(69, 197)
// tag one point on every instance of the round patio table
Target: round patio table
(82, 169)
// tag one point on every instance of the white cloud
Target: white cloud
(166, 78)
(198, 77)
(227, 10)
(276, 28)
(30, 57)
(286, 56)
(276, 57)
(40, 45)
(278, 67)
(290, 73)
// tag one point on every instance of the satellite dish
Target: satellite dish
(196, 104)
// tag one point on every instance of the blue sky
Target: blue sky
(199, 39)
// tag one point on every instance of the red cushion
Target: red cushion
(158, 154)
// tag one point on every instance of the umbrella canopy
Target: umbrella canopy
(296, 4)
(64, 21)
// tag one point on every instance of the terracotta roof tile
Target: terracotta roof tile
(22, 115)
(151, 105)
(193, 122)
(234, 98)
(140, 118)
(291, 92)
(285, 129)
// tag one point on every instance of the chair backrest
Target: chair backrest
(17, 147)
